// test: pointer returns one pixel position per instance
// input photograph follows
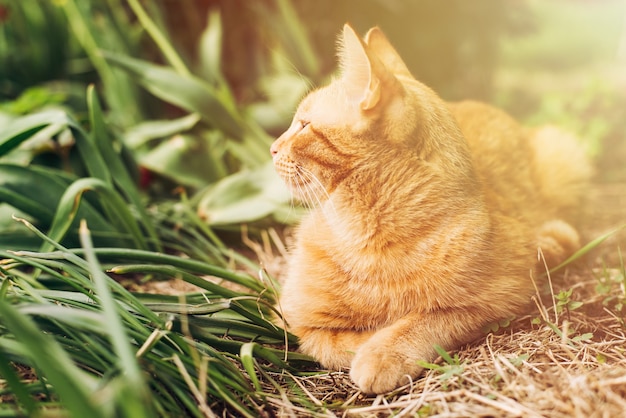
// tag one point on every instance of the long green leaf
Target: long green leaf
(21, 129)
(235, 328)
(75, 318)
(180, 262)
(247, 360)
(210, 48)
(171, 271)
(188, 92)
(159, 38)
(27, 190)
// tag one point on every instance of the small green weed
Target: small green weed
(452, 367)
(564, 302)
(519, 360)
(496, 326)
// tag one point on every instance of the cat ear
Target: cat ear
(359, 70)
(378, 43)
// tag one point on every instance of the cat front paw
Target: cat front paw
(381, 370)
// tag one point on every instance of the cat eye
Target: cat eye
(304, 123)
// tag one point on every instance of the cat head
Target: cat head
(350, 122)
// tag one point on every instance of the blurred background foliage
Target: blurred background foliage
(194, 91)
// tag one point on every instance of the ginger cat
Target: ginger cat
(427, 216)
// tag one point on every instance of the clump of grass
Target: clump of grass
(96, 349)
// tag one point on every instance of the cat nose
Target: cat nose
(274, 149)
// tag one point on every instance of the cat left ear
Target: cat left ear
(359, 70)
(378, 43)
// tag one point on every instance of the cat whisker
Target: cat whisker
(292, 206)
(297, 191)
(301, 193)
(309, 193)
(316, 181)
(302, 196)
(307, 188)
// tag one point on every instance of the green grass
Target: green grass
(97, 349)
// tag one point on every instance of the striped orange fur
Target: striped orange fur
(427, 216)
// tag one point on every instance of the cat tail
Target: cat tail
(563, 172)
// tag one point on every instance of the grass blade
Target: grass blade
(73, 385)
(170, 271)
(134, 388)
(175, 261)
(586, 248)
(247, 360)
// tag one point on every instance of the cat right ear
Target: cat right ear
(359, 70)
